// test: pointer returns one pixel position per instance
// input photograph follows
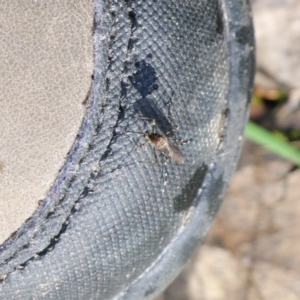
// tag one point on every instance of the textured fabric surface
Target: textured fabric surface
(114, 217)
(46, 63)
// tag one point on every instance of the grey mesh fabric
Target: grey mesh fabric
(121, 218)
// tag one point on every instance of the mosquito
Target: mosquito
(163, 144)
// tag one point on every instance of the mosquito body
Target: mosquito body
(163, 144)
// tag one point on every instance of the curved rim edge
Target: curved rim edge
(165, 269)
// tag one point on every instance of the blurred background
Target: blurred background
(252, 250)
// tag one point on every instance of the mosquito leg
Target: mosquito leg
(182, 142)
(169, 116)
(165, 173)
(164, 176)
(155, 156)
(122, 163)
(169, 109)
(144, 144)
(153, 125)
(145, 118)
(173, 130)
(135, 146)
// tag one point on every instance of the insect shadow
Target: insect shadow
(147, 109)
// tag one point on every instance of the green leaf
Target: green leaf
(264, 138)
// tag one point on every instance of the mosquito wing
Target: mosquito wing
(174, 152)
